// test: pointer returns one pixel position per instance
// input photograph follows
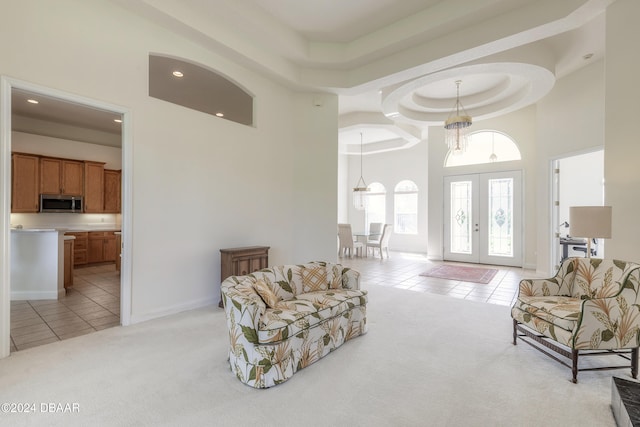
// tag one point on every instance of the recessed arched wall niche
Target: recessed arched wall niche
(199, 88)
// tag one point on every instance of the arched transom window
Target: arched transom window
(485, 146)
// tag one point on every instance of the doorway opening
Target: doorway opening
(578, 180)
(9, 86)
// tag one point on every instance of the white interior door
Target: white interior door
(483, 218)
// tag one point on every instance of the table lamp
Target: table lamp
(591, 222)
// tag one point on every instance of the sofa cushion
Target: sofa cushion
(331, 298)
(290, 317)
(266, 292)
(561, 311)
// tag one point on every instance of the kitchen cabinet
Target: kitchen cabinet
(80, 245)
(112, 186)
(242, 261)
(102, 246)
(93, 187)
(60, 176)
(25, 184)
(68, 263)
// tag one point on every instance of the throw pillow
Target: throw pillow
(266, 293)
(336, 280)
(314, 279)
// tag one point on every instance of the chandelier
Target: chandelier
(360, 198)
(457, 125)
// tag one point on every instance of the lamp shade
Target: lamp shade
(590, 221)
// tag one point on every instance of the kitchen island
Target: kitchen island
(37, 264)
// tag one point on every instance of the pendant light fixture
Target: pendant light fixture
(457, 126)
(493, 157)
(360, 198)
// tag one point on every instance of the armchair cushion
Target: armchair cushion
(560, 311)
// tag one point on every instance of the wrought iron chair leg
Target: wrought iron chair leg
(515, 331)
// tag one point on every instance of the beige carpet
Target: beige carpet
(428, 360)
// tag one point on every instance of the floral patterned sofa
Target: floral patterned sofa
(591, 306)
(282, 319)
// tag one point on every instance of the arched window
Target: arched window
(406, 208)
(485, 146)
(376, 206)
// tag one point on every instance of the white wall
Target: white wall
(622, 149)
(570, 119)
(389, 169)
(200, 183)
(344, 193)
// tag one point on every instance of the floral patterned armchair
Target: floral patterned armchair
(282, 319)
(591, 306)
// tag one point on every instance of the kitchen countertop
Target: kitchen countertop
(70, 229)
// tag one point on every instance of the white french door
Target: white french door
(483, 218)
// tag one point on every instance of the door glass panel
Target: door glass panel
(500, 217)
(461, 217)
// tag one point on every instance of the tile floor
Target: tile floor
(402, 270)
(92, 304)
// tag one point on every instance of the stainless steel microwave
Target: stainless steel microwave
(57, 203)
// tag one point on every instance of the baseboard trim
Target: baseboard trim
(174, 309)
(33, 295)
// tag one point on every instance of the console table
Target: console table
(242, 261)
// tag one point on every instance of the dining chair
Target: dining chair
(374, 231)
(347, 244)
(383, 242)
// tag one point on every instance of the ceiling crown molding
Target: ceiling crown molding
(439, 37)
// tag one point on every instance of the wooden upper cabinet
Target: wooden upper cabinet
(72, 178)
(112, 179)
(59, 176)
(25, 183)
(93, 187)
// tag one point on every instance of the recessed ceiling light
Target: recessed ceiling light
(117, 120)
(220, 114)
(178, 73)
(33, 101)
